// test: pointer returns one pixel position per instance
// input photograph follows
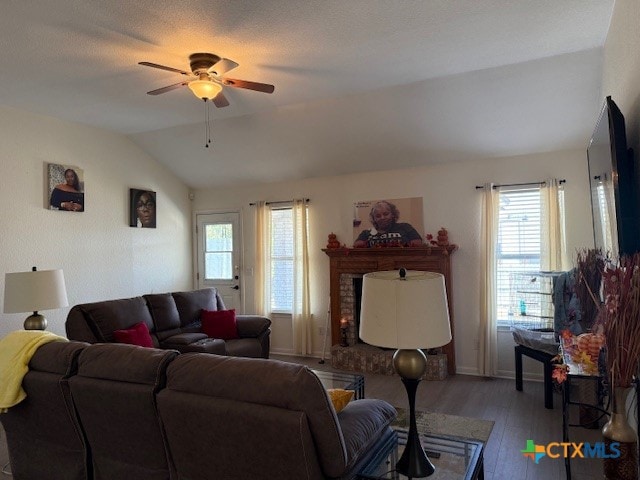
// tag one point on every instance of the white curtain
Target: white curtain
(302, 322)
(553, 251)
(262, 272)
(488, 348)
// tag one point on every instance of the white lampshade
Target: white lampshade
(205, 89)
(33, 291)
(410, 313)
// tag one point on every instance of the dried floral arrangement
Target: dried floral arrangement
(617, 318)
(620, 319)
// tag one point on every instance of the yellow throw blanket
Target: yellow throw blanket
(16, 350)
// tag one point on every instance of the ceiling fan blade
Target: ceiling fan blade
(258, 87)
(223, 66)
(167, 88)
(162, 67)
(220, 100)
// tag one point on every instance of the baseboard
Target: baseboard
(506, 374)
(282, 351)
(467, 371)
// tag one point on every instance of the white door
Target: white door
(219, 255)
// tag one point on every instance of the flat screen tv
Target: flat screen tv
(614, 185)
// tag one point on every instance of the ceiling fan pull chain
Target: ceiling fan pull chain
(209, 124)
(206, 124)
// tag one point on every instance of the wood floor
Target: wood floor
(518, 416)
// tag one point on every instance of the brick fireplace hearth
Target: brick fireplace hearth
(347, 264)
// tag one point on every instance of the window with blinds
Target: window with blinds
(282, 238)
(518, 249)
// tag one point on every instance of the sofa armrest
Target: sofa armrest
(363, 422)
(77, 328)
(252, 326)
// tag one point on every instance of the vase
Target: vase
(617, 429)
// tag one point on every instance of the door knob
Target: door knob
(236, 287)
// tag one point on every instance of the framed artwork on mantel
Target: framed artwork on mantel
(65, 188)
(388, 222)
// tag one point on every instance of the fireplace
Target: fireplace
(347, 267)
(350, 295)
(357, 299)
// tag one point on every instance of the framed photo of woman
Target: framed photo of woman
(388, 223)
(142, 205)
(65, 188)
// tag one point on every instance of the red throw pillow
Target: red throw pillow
(136, 335)
(219, 324)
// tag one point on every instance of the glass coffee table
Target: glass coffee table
(346, 381)
(453, 457)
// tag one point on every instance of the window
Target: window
(518, 248)
(218, 253)
(281, 259)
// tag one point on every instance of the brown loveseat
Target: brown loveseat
(118, 411)
(173, 319)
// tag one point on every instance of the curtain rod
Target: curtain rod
(520, 184)
(279, 201)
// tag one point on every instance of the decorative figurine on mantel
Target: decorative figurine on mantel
(332, 241)
(441, 240)
(443, 237)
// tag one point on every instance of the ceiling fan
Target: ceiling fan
(206, 78)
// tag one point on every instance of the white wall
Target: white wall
(102, 257)
(621, 71)
(450, 200)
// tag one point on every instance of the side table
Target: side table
(543, 357)
(577, 371)
(347, 381)
(453, 457)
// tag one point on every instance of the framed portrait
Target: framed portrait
(65, 188)
(388, 222)
(142, 207)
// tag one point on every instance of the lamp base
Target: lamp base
(414, 463)
(35, 322)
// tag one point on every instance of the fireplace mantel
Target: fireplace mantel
(366, 260)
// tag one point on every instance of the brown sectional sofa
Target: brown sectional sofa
(121, 411)
(44, 431)
(173, 320)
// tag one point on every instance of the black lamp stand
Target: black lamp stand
(414, 463)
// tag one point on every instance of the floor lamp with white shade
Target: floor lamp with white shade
(406, 310)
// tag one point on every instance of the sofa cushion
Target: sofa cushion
(114, 393)
(217, 346)
(191, 304)
(125, 363)
(105, 317)
(263, 383)
(184, 338)
(363, 423)
(43, 434)
(135, 335)
(245, 347)
(164, 313)
(219, 324)
(216, 438)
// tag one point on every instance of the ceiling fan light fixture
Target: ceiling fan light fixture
(205, 89)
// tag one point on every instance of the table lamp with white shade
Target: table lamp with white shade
(33, 291)
(406, 310)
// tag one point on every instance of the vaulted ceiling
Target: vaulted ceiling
(359, 84)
